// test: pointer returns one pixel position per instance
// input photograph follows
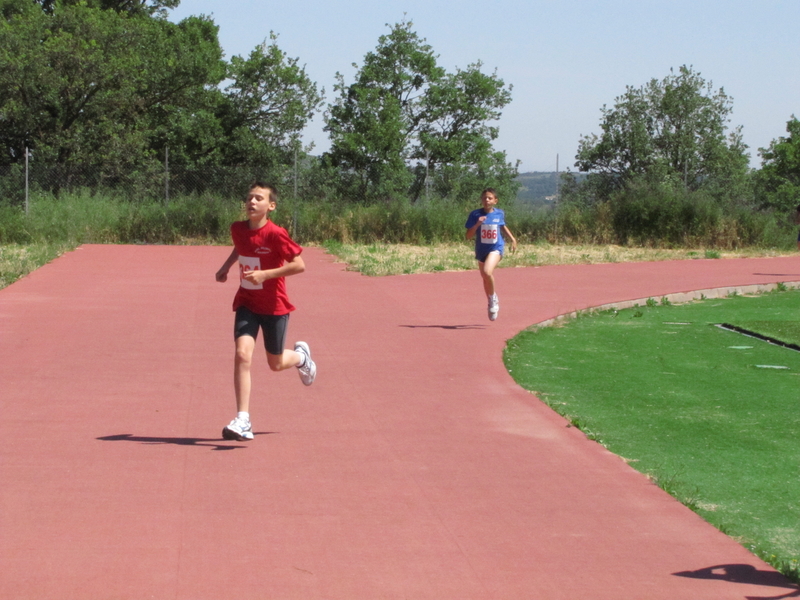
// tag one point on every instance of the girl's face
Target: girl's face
(488, 200)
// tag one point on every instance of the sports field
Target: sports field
(711, 414)
(414, 467)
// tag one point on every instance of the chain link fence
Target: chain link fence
(307, 179)
(19, 182)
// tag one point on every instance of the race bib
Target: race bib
(249, 263)
(489, 234)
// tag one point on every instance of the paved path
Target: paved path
(413, 468)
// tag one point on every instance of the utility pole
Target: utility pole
(558, 179)
(294, 216)
(555, 206)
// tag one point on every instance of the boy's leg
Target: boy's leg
(294, 358)
(241, 375)
(284, 360)
(487, 271)
(245, 333)
(279, 358)
(240, 428)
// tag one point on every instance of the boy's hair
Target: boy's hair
(273, 191)
(491, 191)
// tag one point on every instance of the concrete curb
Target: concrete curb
(677, 298)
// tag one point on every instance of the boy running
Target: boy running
(489, 244)
(266, 255)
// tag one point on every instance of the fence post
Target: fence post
(427, 179)
(27, 186)
(166, 174)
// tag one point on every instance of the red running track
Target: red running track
(413, 468)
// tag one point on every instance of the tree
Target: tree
(146, 7)
(671, 131)
(372, 121)
(267, 105)
(455, 139)
(778, 181)
(405, 120)
(97, 86)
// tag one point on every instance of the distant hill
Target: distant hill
(539, 187)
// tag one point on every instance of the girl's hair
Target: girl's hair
(489, 190)
(273, 191)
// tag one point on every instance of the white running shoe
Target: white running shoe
(239, 430)
(494, 307)
(308, 372)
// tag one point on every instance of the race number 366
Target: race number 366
(489, 234)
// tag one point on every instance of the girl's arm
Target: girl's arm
(222, 274)
(507, 233)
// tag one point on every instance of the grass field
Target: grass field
(403, 259)
(710, 415)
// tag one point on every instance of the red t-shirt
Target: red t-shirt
(259, 249)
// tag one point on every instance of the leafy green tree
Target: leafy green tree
(374, 119)
(98, 86)
(115, 85)
(148, 7)
(267, 105)
(778, 180)
(670, 132)
(455, 138)
(405, 122)
(254, 123)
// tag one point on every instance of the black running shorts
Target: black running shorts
(274, 327)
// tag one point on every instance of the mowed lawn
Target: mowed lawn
(713, 416)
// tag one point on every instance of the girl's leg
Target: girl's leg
(487, 272)
(241, 371)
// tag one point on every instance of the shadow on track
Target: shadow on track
(444, 326)
(746, 574)
(209, 443)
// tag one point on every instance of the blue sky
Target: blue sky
(564, 59)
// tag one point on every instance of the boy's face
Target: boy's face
(488, 200)
(258, 203)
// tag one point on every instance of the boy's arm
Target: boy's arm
(471, 231)
(222, 274)
(290, 267)
(508, 234)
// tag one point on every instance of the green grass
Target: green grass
(383, 239)
(787, 332)
(56, 225)
(710, 415)
(18, 260)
